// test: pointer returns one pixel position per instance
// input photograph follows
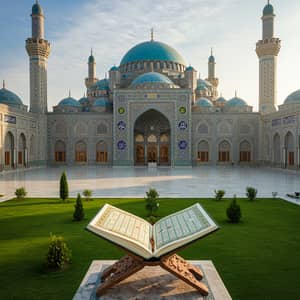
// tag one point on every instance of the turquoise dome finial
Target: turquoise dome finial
(37, 9)
(268, 9)
(211, 59)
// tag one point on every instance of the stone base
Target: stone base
(152, 283)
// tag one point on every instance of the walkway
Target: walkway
(169, 182)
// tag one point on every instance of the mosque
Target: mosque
(152, 110)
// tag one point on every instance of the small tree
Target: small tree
(233, 211)
(20, 193)
(151, 200)
(251, 193)
(58, 253)
(63, 187)
(219, 194)
(78, 214)
(87, 194)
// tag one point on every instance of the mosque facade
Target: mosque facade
(152, 110)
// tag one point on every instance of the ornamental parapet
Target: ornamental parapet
(268, 47)
(38, 47)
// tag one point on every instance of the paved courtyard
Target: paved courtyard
(134, 182)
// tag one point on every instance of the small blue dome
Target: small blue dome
(204, 102)
(190, 68)
(203, 84)
(221, 100)
(151, 77)
(114, 68)
(83, 100)
(236, 102)
(293, 98)
(69, 102)
(100, 85)
(9, 98)
(268, 10)
(102, 102)
(211, 59)
(152, 50)
(37, 9)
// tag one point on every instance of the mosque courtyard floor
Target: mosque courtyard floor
(170, 182)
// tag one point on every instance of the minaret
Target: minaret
(38, 50)
(267, 50)
(91, 79)
(212, 75)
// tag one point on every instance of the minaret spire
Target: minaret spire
(152, 34)
(69, 93)
(4, 83)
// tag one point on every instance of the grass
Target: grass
(257, 259)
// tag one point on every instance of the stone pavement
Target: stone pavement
(170, 182)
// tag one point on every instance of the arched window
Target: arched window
(139, 138)
(102, 129)
(60, 151)
(9, 150)
(81, 129)
(80, 152)
(203, 151)
(21, 150)
(164, 138)
(289, 146)
(224, 151)
(101, 152)
(245, 151)
(203, 129)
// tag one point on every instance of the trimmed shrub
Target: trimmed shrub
(63, 187)
(58, 255)
(219, 194)
(87, 194)
(251, 193)
(79, 211)
(234, 212)
(20, 193)
(151, 200)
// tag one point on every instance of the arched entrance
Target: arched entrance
(9, 150)
(22, 151)
(152, 137)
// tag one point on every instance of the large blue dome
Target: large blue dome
(236, 102)
(9, 98)
(69, 102)
(293, 98)
(204, 102)
(102, 102)
(151, 77)
(100, 85)
(152, 50)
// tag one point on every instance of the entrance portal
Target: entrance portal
(152, 139)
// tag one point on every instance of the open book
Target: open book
(146, 240)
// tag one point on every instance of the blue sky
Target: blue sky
(112, 27)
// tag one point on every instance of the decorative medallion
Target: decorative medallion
(121, 110)
(121, 145)
(182, 110)
(122, 125)
(182, 125)
(182, 145)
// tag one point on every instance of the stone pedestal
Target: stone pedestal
(152, 283)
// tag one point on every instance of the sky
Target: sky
(112, 27)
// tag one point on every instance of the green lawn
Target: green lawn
(257, 259)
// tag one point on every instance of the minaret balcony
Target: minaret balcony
(268, 47)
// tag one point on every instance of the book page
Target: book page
(182, 227)
(122, 227)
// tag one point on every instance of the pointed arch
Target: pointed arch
(245, 151)
(289, 149)
(9, 145)
(224, 151)
(22, 150)
(203, 151)
(80, 151)
(60, 151)
(102, 152)
(81, 129)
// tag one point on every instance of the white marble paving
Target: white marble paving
(170, 182)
